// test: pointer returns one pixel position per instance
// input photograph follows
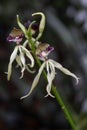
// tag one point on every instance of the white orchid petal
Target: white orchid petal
(9, 71)
(35, 81)
(22, 72)
(12, 58)
(47, 67)
(28, 69)
(22, 58)
(13, 55)
(28, 54)
(25, 43)
(18, 61)
(64, 70)
(50, 76)
(52, 67)
(48, 88)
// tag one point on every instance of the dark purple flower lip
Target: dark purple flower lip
(26, 24)
(14, 39)
(34, 26)
(49, 48)
(44, 47)
(43, 50)
(16, 35)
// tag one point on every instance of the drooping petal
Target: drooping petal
(9, 71)
(12, 58)
(50, 77)
(29, 70)
(13, 55)
(25, 43)
(35, 81)
(22, 58)
(64, 70)
(18, 61)
(52, 68)
(28, 54)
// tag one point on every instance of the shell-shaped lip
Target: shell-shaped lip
(49, 48)
(44, 53)
(14, 39)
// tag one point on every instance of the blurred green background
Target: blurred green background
(66, 30)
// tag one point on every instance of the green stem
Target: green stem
(55, 92)
(64, 108)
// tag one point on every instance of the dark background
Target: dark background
(66, 30)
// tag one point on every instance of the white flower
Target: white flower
(50, 66)
(19, 55)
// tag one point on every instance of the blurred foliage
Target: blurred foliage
(66, 30)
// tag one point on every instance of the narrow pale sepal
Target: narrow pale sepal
(22, 58)
(42, 24)
(35, 81)
(12, 58)
(18, 61)
(23, 28)
(13, 55)
(25, 43)
(9, 71)
(65, 71)
(50, 77)
(28, 69)
(28, 54)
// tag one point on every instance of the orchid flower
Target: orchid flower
(18, 55)
(50, 66)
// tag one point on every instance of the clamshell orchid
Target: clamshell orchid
(19, 55)
(16, 35)
(50, 66)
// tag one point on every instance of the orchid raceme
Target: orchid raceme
(41, 50)
(28, 46)
(20, 59)
(50, 66)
